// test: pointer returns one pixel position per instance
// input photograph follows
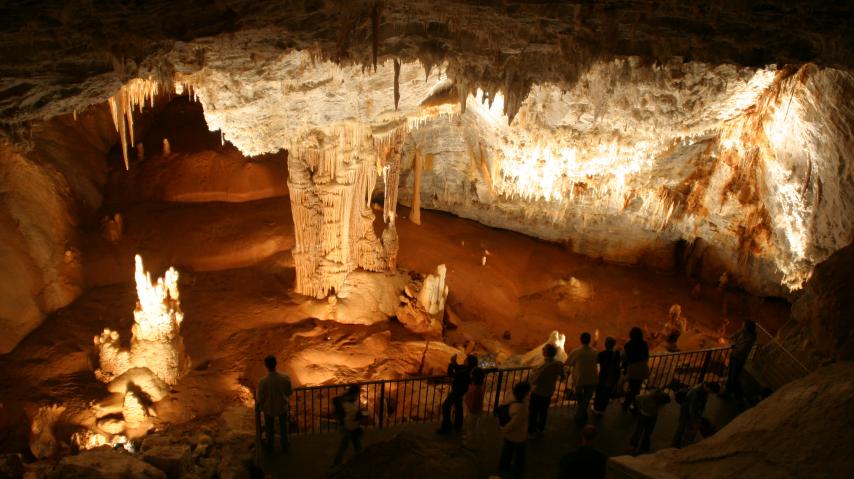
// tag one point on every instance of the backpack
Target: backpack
(502, 412)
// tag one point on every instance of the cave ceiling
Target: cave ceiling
(617, 126)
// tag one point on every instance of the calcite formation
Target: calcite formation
(156, 342)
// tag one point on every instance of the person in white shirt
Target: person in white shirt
(515, 433)
(271, 399)
(585, 376)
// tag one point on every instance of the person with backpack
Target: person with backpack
(609, 375)
(512, 421)
(460, 375)
(543, 380)
(474, 410)
(271, 399)
(648, 406)
(349, 420)
(582, 360)
(692, 406)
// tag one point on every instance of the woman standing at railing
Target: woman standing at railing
(635, 366)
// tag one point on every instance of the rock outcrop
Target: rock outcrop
(105, 462)
(803, 430)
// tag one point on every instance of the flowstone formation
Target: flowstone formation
(156, 360)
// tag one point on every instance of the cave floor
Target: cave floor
(311, 456)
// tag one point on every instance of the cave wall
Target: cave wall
(51, 174)
(753, 165)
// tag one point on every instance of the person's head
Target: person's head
(662, 397)
(610, 343)
(750, 326)
(588, 434)
(713, 388)
(520, 390)
(636, 334)
(270, 362)
(471, 360)
(549, 350)
(353, 391)
(585, 338)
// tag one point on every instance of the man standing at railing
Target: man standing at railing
(543, 380)
(271, 398)
(460, 375)
(585, 377)
(742, 343)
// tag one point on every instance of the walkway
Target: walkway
(311, 455)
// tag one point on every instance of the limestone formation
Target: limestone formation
(43, 442)
(105, 462)
(156, 342)
(330, 187)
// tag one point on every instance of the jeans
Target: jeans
(634, 390)
(270, 427)
(512, 458)
(733, 381)
(455, 401)
(681, 427)
(354, 436)
(604, 391)
(583, 395)
(644, 427)
(538, 409)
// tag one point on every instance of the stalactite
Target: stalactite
(396, 83)
(415, 213)
(133, 94)
(375, 27)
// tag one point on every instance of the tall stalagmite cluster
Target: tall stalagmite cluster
(330, 186)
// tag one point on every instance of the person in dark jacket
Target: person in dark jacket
(742, 344)
(635, 365)
(460, 375)
(609, 375)
(586, 461)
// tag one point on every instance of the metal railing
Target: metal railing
(390, 402)
(771, 364)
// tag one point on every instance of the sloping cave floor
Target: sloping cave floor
(237, 281)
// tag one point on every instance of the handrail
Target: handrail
(784, 349)
(419, 399)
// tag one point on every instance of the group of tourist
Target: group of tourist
(596, 376)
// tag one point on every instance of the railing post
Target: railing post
(707, 361)
(382, 403)
(498, 385)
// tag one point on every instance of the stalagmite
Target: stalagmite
(156, 342)
(330, 190)
(434, 292)
(167, 148)
(415, 214)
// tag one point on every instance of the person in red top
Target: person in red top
(474, 410)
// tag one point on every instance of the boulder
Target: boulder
(11, 466)
(173, 459)
(415, 319)
(107, 463)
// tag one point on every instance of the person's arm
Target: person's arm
(289, 388)
(261, 394)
